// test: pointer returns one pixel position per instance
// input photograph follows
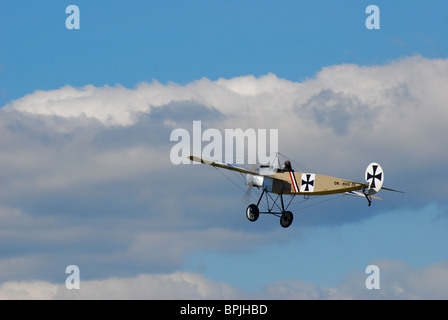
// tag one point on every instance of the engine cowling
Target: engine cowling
(254, 180)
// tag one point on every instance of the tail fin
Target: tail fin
(374, 177)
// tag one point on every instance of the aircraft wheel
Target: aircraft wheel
(252, 212)
(286, 219)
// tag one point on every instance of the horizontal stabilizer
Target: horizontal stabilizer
(360, 194)
(388, 189)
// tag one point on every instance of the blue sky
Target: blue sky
(183, 41)
(86, 118)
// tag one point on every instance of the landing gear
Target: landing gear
(252, 212)
(368, 197)
(286, 217)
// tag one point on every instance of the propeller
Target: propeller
(248, 194)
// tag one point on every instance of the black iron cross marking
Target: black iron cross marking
(308, 182)
(374, 176)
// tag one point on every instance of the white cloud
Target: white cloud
(394, 114)
(396, 105)
(178, 285)
(398, 281)
(86, 171)
(28, 290)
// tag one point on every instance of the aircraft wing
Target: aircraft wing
(223, 165)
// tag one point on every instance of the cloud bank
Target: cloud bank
(398, 280)
(87, 179)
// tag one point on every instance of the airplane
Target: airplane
(285, 181)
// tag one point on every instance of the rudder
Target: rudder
(374, 177)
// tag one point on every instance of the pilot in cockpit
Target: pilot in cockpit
(287, 167)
